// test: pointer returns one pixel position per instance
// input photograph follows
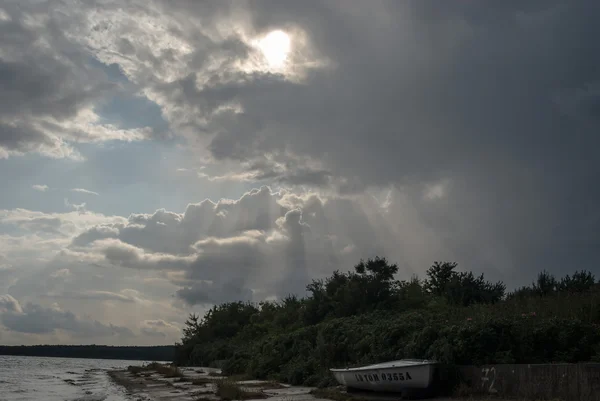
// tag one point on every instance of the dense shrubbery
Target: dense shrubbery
(367, 316)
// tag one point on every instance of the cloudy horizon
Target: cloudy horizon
(157, 158)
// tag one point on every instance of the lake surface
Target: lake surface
(60, 379)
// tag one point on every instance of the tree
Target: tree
(370, 286)
(461, 288)
(466, 289)
(546, 284)
(412, 295)
(191, 328)
(379, 268)
(580, 281)
(439, 276)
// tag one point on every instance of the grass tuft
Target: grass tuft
(335, 394)
(200, 381)
(268, 385)
(229, 390)
(166, 370)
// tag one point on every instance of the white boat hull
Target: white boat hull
(392, 377)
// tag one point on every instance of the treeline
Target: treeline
(366, 316)
(155, 353)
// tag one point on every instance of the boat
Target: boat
(400, 376)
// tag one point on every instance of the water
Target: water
(60, 379)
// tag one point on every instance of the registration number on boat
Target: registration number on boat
(376, 377)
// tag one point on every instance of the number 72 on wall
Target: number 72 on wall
(488, 378)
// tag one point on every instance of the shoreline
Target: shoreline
(202, 384)
(166, 383)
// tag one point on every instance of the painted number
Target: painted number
(488, 378)
(383, 377)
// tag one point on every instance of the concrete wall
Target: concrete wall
(545, 381)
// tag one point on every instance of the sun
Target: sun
(275, 46)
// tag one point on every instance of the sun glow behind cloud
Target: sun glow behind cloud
(289, 53)
(275, 46)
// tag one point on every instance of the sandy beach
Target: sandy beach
(201, 384)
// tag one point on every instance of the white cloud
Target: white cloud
(9, 305)
(436, 191)
(41, 188)
(93, 295)
(263, 244)
(85, 191)
(70, 223)
(61, 273)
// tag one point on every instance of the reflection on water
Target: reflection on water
(59, 379)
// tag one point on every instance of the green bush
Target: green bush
(366, 316)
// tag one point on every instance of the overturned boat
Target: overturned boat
(405, 375)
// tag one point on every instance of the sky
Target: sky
(159, 157)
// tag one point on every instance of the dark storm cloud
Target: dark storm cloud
(499, 98)
(158, 328)
(36, 319)
(46, 80)
(211, 294)
(426, 100)
(482, 116)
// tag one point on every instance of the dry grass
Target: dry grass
(200, 381)
(239, 378)
(463, 390)
(229, 390)
(136, 370)
(169, 371)
(335, 394)
(163, 369)
(269, 385)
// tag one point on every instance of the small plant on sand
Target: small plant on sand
(240, 377)
(335, 394)
(268, 385)
(200, 381)
(136, 370)
(229, 390)
(166, 370)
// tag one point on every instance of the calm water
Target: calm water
(60, 379)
